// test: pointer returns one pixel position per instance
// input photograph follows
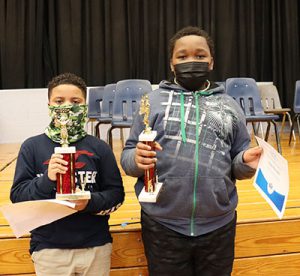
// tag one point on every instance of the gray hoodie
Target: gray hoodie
(203, 136)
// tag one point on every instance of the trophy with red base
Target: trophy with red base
(65, 183)
(151, 187)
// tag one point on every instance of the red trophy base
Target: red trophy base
(66, 187)
(151, 187)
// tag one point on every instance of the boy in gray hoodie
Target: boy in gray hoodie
(202, 147)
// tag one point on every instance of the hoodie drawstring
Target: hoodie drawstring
(182, 124)
(182, 121)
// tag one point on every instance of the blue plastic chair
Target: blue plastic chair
(296, 109)
(95, 98)
(127, 97)
(107, 107)
(246, 94)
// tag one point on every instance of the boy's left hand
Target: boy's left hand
(80, 204)
(251, 156)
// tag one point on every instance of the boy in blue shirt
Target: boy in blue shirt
(80, 243)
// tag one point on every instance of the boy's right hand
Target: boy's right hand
(56, 165)
(144, 156)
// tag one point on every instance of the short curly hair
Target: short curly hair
(67, 78)
(190, 30)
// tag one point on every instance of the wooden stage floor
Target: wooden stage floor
(265, 245)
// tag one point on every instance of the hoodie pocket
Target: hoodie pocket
(212, 197)
(176, 199)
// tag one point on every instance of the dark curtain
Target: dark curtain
(21, 44)
(108, 40)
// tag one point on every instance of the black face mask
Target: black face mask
(191, 75)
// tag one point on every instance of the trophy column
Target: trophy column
(66, 183)
(151, 187)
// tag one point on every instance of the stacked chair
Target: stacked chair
(95, 98)
(246, 93)
(115, 104)
(106, 107)
(126, 101)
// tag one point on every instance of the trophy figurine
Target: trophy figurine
(151, 187)
(66, 184)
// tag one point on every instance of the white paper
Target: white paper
(272, 178)
(28, 215)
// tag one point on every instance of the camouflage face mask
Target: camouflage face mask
(67, 123)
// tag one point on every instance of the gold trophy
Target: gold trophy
(65, 185)
(151, 187)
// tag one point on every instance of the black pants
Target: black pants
(170, 253)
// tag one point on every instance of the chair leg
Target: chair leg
(290, 121)
(277, 137)
(267, 131)
(109, 137)
(292, 129)
(254, 130)
(282, 124)
(297, 116)
(97, 130)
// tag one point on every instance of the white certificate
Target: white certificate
(28, 215)
(272, 178)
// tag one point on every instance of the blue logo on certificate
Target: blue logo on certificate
(268, 189)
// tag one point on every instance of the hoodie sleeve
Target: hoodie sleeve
(111, 194)
(241, 141)
(27, 185)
